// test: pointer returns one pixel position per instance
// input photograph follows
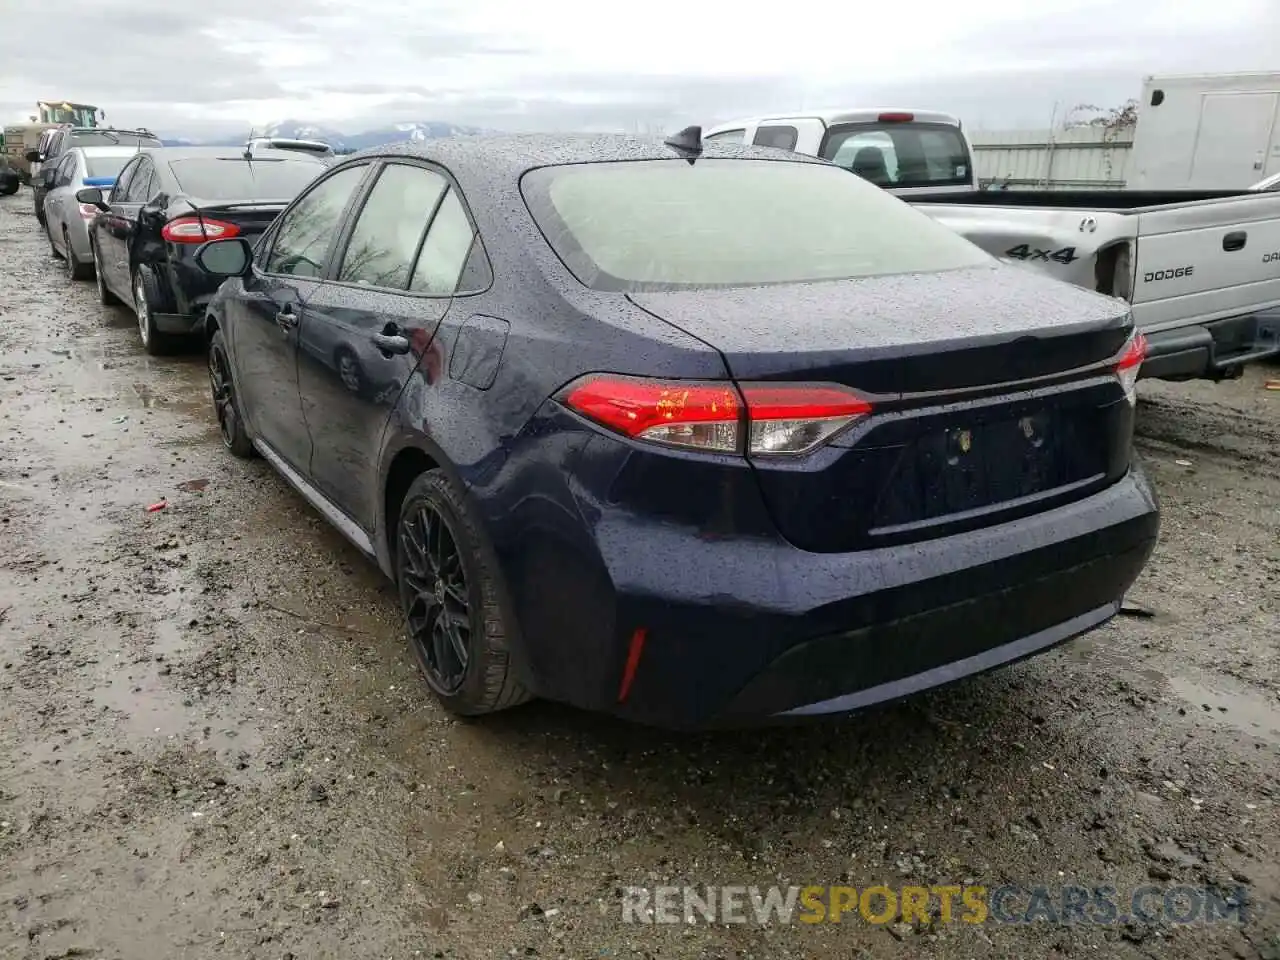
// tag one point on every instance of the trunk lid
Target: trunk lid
(902, 334)
(936, 456)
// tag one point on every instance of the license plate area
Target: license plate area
(960, 467)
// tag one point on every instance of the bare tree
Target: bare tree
(1113, 118)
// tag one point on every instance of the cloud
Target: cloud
(573, 64)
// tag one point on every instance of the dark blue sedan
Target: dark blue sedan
(696, 434)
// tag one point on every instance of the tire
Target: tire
(226, 406)
(9, 187)
(53, 247)
(76, 270)
(145, 298)
(40, 216)
(486, 682)
(105, 296)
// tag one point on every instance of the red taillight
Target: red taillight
(197, 230)
(88, 211)
(778, 419)
(898, 117)
(1130, 362)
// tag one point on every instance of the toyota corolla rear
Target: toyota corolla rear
(914, 466)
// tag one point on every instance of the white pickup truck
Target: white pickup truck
(906, 152)
(1201, 269)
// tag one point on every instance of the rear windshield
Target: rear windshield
(901, 154)
(672, 225)
(112, 138)
(104, 166)
(234, 178)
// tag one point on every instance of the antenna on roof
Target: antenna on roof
(688, 140)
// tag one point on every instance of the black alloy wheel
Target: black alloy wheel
(225, 409)
(437, 599)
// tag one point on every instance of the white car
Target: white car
(66, 219)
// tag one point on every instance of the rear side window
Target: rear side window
(671, 225)
(901, 154)
(305, 232)
(445, 252)
(390, 227)
(235, 178)
(781, 136)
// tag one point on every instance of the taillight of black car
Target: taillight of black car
(198, 230)
(759, 419)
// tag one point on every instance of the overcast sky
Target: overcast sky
(181, 67)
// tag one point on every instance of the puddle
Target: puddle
(1249, 713)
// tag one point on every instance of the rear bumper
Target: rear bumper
(1212, 351)
(741, 631)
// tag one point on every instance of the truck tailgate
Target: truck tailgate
(1206, 261)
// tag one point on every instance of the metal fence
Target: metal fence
(1079, 158)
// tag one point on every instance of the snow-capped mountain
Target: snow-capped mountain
(338, 139)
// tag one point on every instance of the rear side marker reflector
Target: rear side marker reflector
(634, 652)
(1130, 362)
(763, 419)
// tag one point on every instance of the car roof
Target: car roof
(509, 155)
(836, 115)
(228, 153)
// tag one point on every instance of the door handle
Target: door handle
(1234, 241)
(286, 319)
(391, 344)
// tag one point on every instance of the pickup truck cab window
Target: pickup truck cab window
(900, 154)
(781, 136)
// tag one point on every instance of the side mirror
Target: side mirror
(33, 156)
(93, 197)
(225, 258)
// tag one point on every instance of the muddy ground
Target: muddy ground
(213, 742)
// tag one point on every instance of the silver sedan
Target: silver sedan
(66, 218)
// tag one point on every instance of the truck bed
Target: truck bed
(1130, 201)
(1200, 268)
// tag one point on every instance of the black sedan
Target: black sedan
(167, 202)
(695, 434)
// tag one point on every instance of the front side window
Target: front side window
(125, 179)
(307, 230)
(139, 185)
(391, 226)
(901, 154)
(672, 225)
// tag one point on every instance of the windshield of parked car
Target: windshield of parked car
(234, 178)
(901, 154)
(672, 225)
(104, 166)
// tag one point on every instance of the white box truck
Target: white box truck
(1206, 132)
